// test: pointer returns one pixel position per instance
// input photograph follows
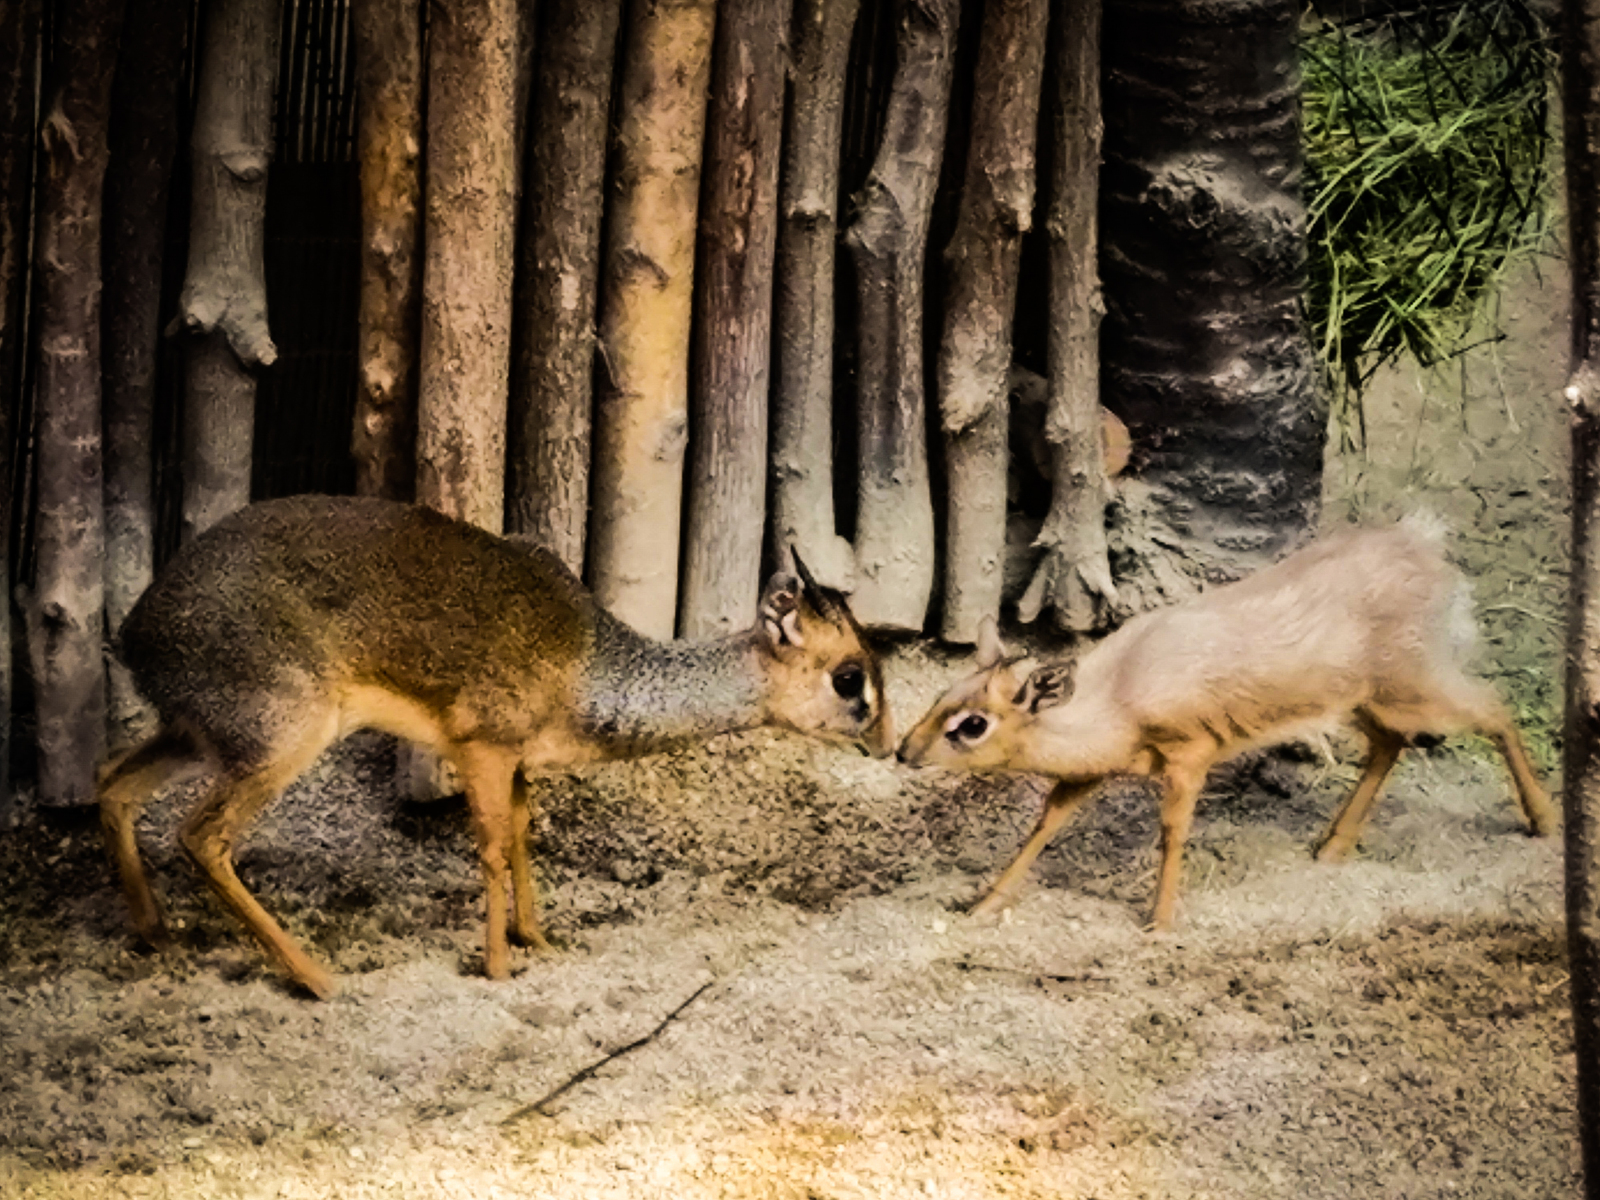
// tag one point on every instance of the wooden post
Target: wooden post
(641, 418)
(802, 401)
(733, 321)
(894, 512)
(984, 256)
(65, 610)
(552, 368)
(388, 69)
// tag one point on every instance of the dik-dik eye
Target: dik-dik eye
(850, 681)
(969, 727)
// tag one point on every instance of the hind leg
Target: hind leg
(125, 785)
(1465, 704)
(213, 829)
(1384, 747)
(525, 926)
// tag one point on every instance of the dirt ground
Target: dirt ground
(1395, 1027)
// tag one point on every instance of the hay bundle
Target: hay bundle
(1426, 139)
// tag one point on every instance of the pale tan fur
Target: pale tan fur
(1371, 624)
(293, 623)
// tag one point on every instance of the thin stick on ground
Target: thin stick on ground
(540, 1106)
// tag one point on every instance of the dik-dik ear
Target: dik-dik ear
(780, 611)
(990, 648)
(1045, 687)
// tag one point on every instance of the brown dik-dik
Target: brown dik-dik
(1371, 624)
(295, 622)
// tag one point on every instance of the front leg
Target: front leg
(525, 925)
(1063, 804)
(487, 771)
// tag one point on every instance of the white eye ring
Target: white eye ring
(952, 727)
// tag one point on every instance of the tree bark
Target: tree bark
(1581, 755)
(388, 68)
(981, 299)
(642, 414)
(732, 345)
(19, 49)
(224, 301)
(552, 374)
(1204, 352)
(802, 403)
(475, 59)
(1073, 575)
(66, 614)
(894, 511)
(144, 146)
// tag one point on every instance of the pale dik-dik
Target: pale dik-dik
(295, 622)
(1373, 624)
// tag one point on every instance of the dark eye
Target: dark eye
(972, 728)
(850, 681)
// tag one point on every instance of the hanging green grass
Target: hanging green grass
(1426, 135)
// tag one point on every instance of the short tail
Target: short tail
(1428, 525)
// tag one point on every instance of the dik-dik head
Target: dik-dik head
(823, 678)
(983, 722)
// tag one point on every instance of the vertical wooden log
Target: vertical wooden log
(552, 370)
(733, 323)
(144, 146)
(66, 615)
(642, 410)
(802, 402)
(1581, 742)
(975, 353)
(1073, 576)
(894, 513)
(19, 55)
(224, 301)
(474, 61)
(388, 68)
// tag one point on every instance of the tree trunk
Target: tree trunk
(642, 415)
(224, 302)
(802, 403)
(66, 610)
(733, 326)
(552, 373)
(388, 68)
(1073, 575)
(475, 60)
(19, 48)
(1581, 765)
(1205, 353)
(894, 511)
(975, 355)
(144, 145)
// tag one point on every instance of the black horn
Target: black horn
(820, 599)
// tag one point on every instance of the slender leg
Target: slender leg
(525, 925)
(1384, 748)
(125, 786)
(487, 771)
(1535, 800)
(210, 834)
(1063, 804)
(1181, 784)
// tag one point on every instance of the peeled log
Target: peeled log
(894, 512)
(802, 401)
(975, 353)
(388, 64)
(733, 325)
(19, 51)
(224, 301)
(65, 609)
(1073, 575)
(642, 411)
(552, 371)
(476, 49)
